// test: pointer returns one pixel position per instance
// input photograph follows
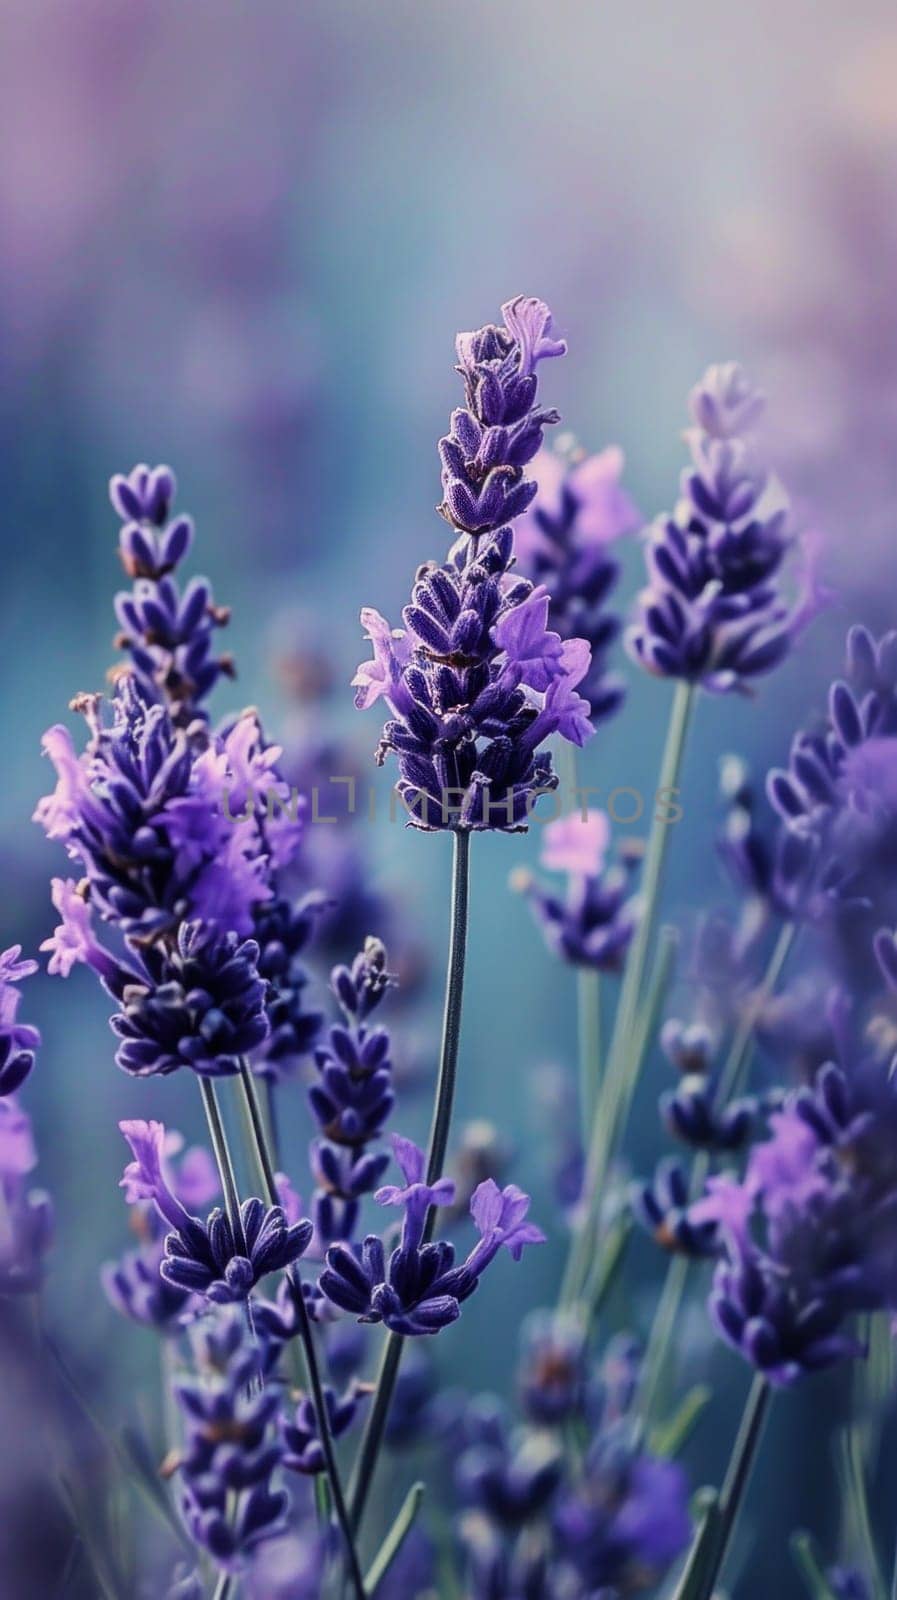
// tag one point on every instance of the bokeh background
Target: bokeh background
(240, 239)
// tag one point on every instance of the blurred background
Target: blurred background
(241, 239)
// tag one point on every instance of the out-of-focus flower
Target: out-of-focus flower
(231, 1446)
(592, 926)
(714, 611)
(18, 1040)
(562, 541)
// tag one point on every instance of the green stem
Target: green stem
(612, 1114)
(223, 1161)
(224, 1587)
(628, 1043)
(372, 1437)
(266, 1169)
(395, 1538)
(709, 1549)
(588, 997)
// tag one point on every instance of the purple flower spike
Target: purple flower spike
(167, 632)
(714, 612)
(500, 429)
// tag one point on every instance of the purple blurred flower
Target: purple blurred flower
(714, 611)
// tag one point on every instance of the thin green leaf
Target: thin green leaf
(668, 1438)
(808, 1565)
(394, 1540)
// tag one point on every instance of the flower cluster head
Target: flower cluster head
(26, 1228)
(303, 1451)
(837, 798)
(18, 1040)
(168, 633)
(134, 1284)
(563, 542)
(663, 1207)
(162, 834)
(692, 1111)
(809, 1232)
(199, 1003)
(714, 611)
(499, 429)
(593, 924)
(221, 1258)
(231, 1448)
(534, 1528)
(352, 1096)
(477, 681)
(283, 930)
(418, 1289)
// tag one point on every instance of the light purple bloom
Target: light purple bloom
(535, 654)
(529, 322)
(576, 844)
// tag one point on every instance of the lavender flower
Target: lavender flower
(283, 930)
(562, 541)
(199, 1004)
(419, 1290)
(500, 429)
(18, 1040)
(714, 612)
(134, 1285)
(163, 835)
(553, 1376)
(352, 1097)
(210, 1258)
(231, 1448)
(168, 634)
(663, 1207)
(476, 685)
(593, 925)
(478, 681)
(837, 799)
(809, 1231)
(303, 1452)
(27, 1214)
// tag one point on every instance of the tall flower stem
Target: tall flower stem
(224, 1587)
(710, 1547)
(372, 1438)
(731, 1079)
(223, 1161)
(629, 1042)
(306, 1336)
(588, 998)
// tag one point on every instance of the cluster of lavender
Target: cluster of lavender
(181, 834)
(713, 612)
(185, 837)
(566, 1498)
(477, 681)
(561, 542)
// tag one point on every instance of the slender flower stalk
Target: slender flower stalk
(588, 997)
(730, 1082)
(628, 1044)
(372, 1438)
(710, 1546)
(224, 1160)
(322, 1421)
